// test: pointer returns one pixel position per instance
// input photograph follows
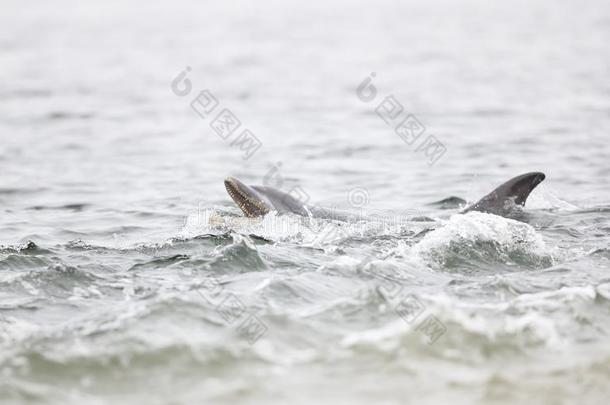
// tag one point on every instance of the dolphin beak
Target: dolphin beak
(231, 183)
(246, 198)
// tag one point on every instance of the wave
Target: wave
(477, 241)
(318, 233)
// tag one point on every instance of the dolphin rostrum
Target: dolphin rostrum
(257, 201)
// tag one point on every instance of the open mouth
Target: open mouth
(250, 206)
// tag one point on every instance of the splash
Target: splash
(476, 241)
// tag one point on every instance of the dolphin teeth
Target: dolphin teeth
(248, 205)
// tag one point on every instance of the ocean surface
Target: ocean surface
(128, 276)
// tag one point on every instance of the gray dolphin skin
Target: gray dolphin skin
(510, 195)
(257, 201)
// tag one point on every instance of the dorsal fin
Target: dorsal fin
(504, 198)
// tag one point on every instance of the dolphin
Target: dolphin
(257, 201)
(509, 196)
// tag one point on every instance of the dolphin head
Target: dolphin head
(257, 201)
(249, 200)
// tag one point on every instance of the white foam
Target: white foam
(467, 229)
